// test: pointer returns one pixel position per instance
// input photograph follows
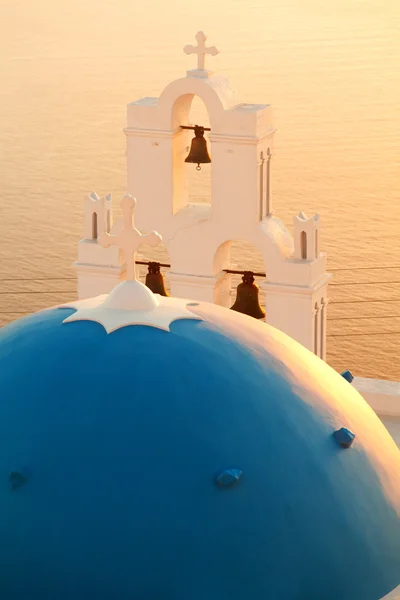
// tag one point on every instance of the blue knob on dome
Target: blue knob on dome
(229, 477)
(348, 375)
(16, 479)
(344, 437)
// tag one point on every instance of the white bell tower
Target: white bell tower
(296, 290)
(198, 237)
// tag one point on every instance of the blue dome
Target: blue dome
(195, 464)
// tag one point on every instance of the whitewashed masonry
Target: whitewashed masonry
(198, 237)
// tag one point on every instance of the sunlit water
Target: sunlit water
(330, 69)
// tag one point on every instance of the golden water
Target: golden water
(330, 69)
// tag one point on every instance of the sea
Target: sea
(331, 71)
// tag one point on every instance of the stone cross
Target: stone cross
(201, 50)
(129, 239)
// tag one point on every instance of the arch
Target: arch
(108, 221)
(271, 240)
(185, 177)
(224, 256)
(199, 182)
(243, 255)
(210, 243)
(316, 243)
(303, 245)
(175, 101)
(94, 226)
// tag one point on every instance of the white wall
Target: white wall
(384, 398)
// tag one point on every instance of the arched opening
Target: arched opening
(108, 221)
(316, 243)
(240, 255)
(192, 186)
(303, 245)
(94, 226)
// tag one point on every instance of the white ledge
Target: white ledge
(272, 287)
(382, 396)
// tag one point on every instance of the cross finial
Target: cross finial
(201, 50)
(129, 239)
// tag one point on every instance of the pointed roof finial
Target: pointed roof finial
(201, 50)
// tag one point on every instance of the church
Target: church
(198, 237)
(163, 446)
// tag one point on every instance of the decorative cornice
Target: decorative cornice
(106, 270)
(218, 138)
(151, 133)
(224, 138)
(205, 280)
(306, 261)
(276, 288)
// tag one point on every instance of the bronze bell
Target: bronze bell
(247, 297)
(198, 150)
(155, 279)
